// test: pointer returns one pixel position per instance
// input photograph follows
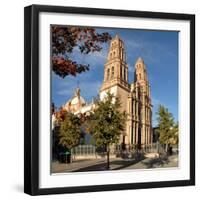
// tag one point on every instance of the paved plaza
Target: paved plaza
(99, 164)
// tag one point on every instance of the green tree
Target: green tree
(175, 132)
(70, 132)
(108, 123)
(65, 38)
(167, 129)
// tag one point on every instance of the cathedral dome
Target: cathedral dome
(76, 102)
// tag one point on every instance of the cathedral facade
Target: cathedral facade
(135, 98)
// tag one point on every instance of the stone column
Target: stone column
(147, 135)
(150, 135)
(136, 132)
(136, 110)
(133, 133)
(143, 134)
(127, 138)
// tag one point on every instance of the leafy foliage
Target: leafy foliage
(168, 130)
(60, 115)
(108, 121)
(175, 133)
(70, 132)
(65, 39)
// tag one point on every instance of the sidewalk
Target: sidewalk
(99, 164)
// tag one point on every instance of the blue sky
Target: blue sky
(159, 50)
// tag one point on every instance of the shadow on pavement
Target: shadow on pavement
(102, 166)
(128, 163)
(156, 162)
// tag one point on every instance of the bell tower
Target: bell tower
(116, 76)
(115, 69)
(141, 112)
(140, 72)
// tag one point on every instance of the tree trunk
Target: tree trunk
(108, 157)
(71, 158)
(166, 148)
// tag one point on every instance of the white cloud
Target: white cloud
(88, 90)
(92, 58)
(146, 49)
(65, 92)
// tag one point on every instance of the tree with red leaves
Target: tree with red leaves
(65, 39)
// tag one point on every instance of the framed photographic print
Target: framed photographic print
(109, 100)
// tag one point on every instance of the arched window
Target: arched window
(120, 71)
(110, 55)
(112, 75)
(108, 74)
(114, 54)
(124, 74)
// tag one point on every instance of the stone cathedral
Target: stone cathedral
(135, 97)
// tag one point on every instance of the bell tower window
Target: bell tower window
(112, 75)
(124, 74)
(120, 71)
(108, 74)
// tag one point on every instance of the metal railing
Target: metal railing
(84, 150)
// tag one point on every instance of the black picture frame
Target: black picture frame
(31, 99)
